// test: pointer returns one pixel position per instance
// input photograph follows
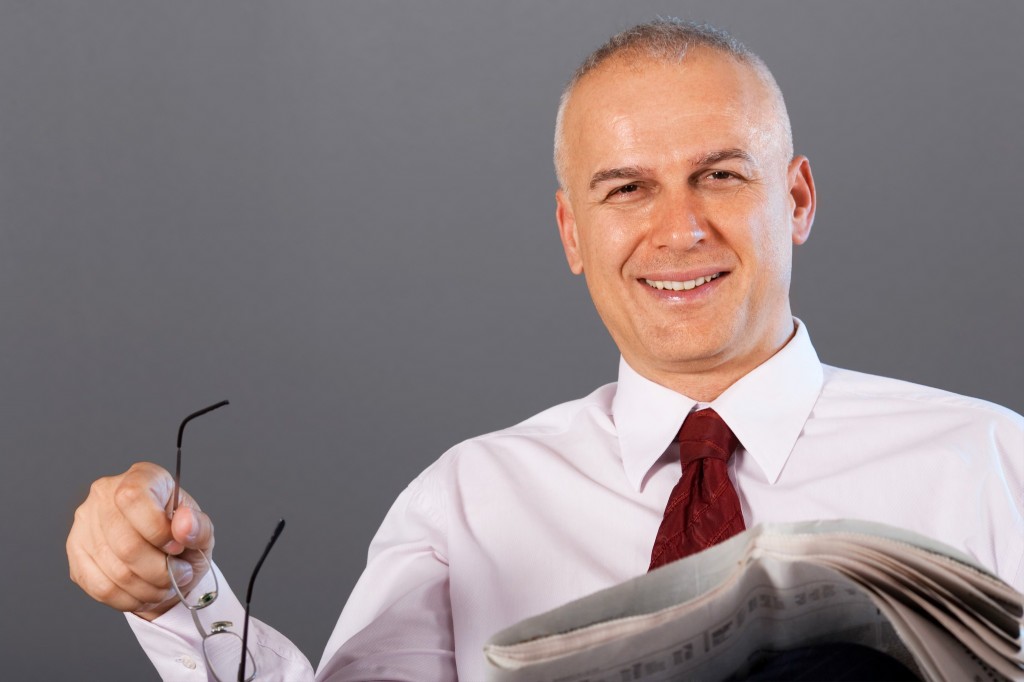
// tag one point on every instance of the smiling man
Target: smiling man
(680, 201)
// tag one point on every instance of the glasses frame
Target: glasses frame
(207, 598)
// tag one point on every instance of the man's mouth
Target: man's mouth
(681, 286)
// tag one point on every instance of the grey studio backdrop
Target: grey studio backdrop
(339, 216)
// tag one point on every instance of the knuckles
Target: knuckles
(126, 545)
(102, 590)
(127, 495)
(99, 487)
(119, 572)
(101, 547)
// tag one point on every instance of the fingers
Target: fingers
(114, 547)
(142, 496)
(104, 576)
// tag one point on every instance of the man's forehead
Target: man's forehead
(697, 86)
(705, 75)
(707, 101)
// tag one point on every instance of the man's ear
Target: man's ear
(802, 198)
(567, 231)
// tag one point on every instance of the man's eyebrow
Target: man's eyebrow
(623, 173)
(720, 155)
(629, 172)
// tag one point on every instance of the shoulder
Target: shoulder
(593, 409)
(913, 408)
(848, 385)
(551, 433)
(499, 470)
(587, 414)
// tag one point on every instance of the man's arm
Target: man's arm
(410, 640)
(117, 553)
(397, 624)
(121, 537)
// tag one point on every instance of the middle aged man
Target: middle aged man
(680, 201)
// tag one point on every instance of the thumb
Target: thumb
(192, 528)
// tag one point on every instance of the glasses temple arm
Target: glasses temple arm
(248, 597)
(181, 431)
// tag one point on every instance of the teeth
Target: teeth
(681, 286)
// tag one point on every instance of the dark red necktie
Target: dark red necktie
(703, 508)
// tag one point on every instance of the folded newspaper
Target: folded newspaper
(715, 614)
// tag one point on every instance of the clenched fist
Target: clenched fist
(123, 533)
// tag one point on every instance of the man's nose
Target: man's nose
(676, 224)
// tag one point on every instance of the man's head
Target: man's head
(680, 201)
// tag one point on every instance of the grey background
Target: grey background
(339, 215)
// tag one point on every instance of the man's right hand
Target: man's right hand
(122, 534)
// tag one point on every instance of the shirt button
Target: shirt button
(188, 662)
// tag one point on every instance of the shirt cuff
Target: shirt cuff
(171, 641)
(175, 647)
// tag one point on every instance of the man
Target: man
(679, 201)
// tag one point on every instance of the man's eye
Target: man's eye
(627, 189)
(720, 175)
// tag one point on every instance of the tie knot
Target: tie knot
(705, 434)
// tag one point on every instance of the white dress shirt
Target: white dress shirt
(520, 521)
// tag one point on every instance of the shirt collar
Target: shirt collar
(766, 409)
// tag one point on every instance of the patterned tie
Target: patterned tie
(703, 508)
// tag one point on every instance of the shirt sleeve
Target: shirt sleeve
(397, 624)
(175, 647)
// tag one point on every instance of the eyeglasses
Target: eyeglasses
(227, 655)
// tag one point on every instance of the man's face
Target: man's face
(681, 210)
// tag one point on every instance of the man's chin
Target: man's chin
(690, 348)
(689, 360)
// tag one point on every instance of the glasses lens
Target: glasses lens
(223, 651)
(195, 599)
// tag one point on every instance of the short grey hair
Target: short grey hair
(666, 39)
